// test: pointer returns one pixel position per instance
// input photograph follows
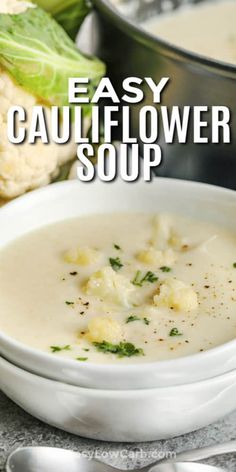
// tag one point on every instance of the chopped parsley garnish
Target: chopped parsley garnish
(234, 265)
(132, 318)
(69, 303)
(121, 350)
(86, 349)
(136, 318)
(175, 332)
(148, 277)
(60, 348)
(116, 263)
(165, 269)
(118, 248)
(83, 359)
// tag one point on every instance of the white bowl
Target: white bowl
(72, 199)
(118, 415)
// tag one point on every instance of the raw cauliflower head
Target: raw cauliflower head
(24, 167)
(14, 7)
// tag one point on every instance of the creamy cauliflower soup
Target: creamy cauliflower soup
(206, 28)
(120, 288)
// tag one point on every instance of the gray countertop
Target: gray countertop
(17, 428)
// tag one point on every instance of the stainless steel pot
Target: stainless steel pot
(130, 51)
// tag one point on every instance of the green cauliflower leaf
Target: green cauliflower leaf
(41, 57)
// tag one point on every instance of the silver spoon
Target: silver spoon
(49, 459)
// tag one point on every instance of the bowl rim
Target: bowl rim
(180, 362)
(66, 363)
(152, 41)
(113, 392)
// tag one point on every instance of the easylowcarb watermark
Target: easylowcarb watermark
(136, 455)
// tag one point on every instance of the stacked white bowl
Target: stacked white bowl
(139, 402)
